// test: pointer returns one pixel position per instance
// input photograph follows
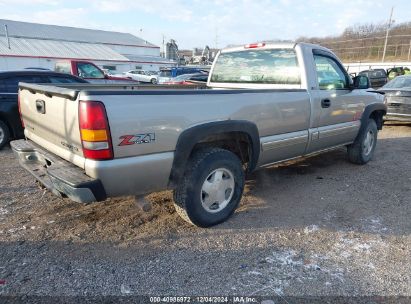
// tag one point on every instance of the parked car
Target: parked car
(170, 73)
(378, 77)
(262, 106)
(142, 76)
(88, 71)
(398, 98)
(395, 71)
(10, 125)
(188, 79)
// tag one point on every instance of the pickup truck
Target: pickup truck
(88, 71)
(263, 104)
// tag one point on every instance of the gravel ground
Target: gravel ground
(317, 227)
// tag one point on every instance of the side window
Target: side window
(11, 84)
(2, 86)
(329, 74)
(63, 67)
(59, 79)
(87, 70)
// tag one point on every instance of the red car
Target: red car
(89, 71)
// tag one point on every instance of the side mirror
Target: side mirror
(361, 82)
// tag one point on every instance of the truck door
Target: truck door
(340, 108)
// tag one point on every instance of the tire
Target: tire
(362, 150)
(4, 134)
(154, 81)
(212, 175)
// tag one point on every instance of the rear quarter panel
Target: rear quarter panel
(166, 114)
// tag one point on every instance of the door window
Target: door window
(10, 84)
(60, 79)
(87, 70)
(329, 73)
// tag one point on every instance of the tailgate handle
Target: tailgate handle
(41, 106)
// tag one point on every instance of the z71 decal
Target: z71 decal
(146, 138)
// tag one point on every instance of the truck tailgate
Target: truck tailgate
(51, 120)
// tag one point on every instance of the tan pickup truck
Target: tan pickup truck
(263, 104)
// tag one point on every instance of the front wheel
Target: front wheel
(154, 81)
(4, 134)
(362, 150)
(211, 188)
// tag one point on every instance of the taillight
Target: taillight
(21, 117)
(94, 130)
(254, 45)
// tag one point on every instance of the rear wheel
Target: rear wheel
(4, 134)
(362, 150)
(154, 81)
(211, 188)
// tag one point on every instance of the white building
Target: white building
(24, 44)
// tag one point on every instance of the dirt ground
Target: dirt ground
(317, 227)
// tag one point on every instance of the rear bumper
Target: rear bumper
(58, 175)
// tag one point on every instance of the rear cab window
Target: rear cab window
(267, 66)
(62, 79)
(63, 67)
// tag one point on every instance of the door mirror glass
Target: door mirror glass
(361, 82)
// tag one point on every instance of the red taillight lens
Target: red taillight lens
(21, 117)
(92, 115)
(94, 130)
(254, 45)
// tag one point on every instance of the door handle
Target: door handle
(325, 103)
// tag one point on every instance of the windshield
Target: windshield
(278, 66)
(87, 70)
(399, 82)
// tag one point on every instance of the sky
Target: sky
(216, 23)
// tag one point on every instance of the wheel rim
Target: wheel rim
(1, 135)
(217, 190)
(368, 142)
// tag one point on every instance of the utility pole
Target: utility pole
(409, 51)
(216, 38)
(164, 48)
(386, 36)
(7, 36)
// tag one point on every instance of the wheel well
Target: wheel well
(238, 143)
(378, 117)
(3, 119)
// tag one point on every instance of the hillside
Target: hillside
(365, 42)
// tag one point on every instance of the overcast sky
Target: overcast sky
(195, 23)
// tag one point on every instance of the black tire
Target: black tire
(4, 134)
(154, 81)
(358, 152)
(188, 195)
